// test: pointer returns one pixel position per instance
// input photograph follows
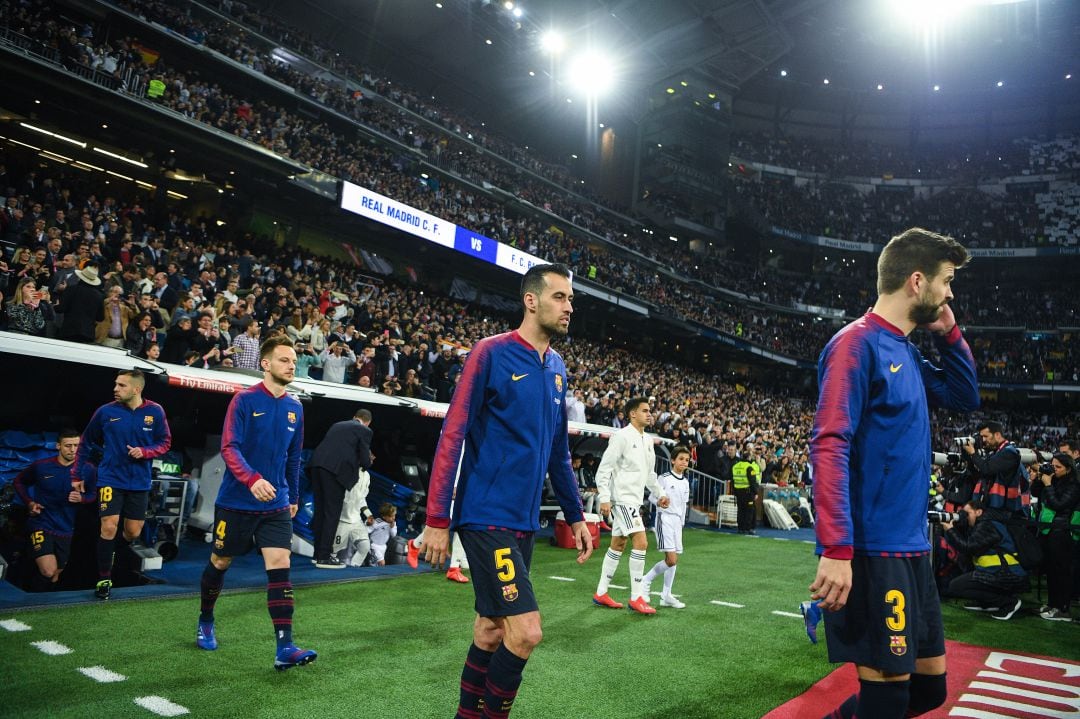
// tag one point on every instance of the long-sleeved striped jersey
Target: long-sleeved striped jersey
(115, 428)
(506, 428)
(261, 439)
(870, 444)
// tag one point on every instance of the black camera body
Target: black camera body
(1046, 468)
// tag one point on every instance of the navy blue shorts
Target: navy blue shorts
(236, 532)
(892, 616)
(499, 564)
(44, 543)
(129, 503)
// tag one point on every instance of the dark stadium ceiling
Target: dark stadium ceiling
(735, 47)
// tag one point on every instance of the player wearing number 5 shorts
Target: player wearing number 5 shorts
(626, 469)
(870, 448)
(505, 429)
(260, 443)
(131, 432)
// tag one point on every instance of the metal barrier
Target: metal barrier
(29, 45)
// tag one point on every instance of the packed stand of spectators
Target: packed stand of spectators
(867, 159)
(394, 174)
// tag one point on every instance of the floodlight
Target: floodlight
(552, 42)
(880, 86)
(1000, 83)
(925, 13)
(937, 88)
(592, 73)
(783, 73)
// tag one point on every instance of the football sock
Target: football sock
(473, 678)
(637, 569)
(928, 691)
(611, 565)
(656, 571)
(875, 700)
(210, 588)
(503, 680)
(279, 600)
(105, 557)
(669, 579)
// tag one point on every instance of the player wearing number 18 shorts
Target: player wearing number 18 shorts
(870, 448)
(506, 428)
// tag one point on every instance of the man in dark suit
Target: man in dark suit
(334, 468)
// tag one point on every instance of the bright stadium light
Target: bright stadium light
(592, 74)
(552, 42)
(924, 13)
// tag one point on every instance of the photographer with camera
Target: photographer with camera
(997, 577)
(1002, 485)
(1057, 488)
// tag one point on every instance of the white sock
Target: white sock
(611, 565)
(418, 540)
(669, 579)
(656, 571)
(637, 569)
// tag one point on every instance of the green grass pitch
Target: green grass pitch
(394, 647)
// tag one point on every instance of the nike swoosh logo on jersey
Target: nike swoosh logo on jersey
(114, 419)
(894, 368)
(516, 377)
(257, 414)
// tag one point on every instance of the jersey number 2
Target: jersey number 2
(504, 564)
(898, 620)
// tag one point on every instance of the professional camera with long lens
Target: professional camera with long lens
(1046, 468)
(942, 517)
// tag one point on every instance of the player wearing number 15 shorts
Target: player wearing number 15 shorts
(505, 430)
(870, 448)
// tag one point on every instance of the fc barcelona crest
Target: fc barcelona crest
(558, 383)
(148, 420)
(898, 645)
(510, 592)
(292, 417)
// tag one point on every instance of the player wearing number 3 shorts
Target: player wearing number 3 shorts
(505, 429)
(870, 448)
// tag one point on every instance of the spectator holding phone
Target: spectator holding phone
(29, 309)
(336, 360)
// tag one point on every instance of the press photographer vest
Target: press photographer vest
(1004, 556)
(1047, 517)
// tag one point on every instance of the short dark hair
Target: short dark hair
(533, 282)
(363, 414)
(975, 504)
(67, 433)
(679, 449)
(916, 250)
(992, 426)
(1070, 443)
(268, 346)
(633, 403)
(136, 376)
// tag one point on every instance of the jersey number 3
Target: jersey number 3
(898, 620)
(504, 564)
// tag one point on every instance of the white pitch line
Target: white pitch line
(52, 648)
(727, 604)
(808, 541)
(781, 539)
(101, 674)
(617, 586)
(161, 706)
(14, 625)
(563, 579)
(787, 614)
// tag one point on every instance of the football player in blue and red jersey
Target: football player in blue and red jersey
(131, 432)
(260, 443)
(870, 449)
(45, 488)
(506, 429)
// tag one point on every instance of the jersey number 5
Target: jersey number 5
(898, 620)
(504, 564)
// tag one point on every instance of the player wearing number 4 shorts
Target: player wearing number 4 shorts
(870, 448)
(131, 432)
(260, 443)
(506, 428)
